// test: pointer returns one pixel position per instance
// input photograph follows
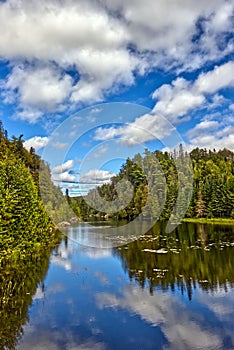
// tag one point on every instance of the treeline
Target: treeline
(24, 223)
(203, 179)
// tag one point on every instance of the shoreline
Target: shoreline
(217, 221)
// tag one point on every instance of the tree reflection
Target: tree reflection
(192, 255)
(18, 284)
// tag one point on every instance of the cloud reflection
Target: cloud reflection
(48, 341)
(181, 326)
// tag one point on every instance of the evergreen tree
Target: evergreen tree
(159, 178)
(200, 206)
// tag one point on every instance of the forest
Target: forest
(31, 205)
(154, 177)
(25, 226)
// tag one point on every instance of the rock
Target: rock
(64, 224)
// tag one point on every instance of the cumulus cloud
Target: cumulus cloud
(203, 126)
(61, 172)
(212, 134)
(58, 260)
(64, 177)
(81, 36)
(105, 44)
(183, 34)
(145, 128)
(44, 31)
(63, 167)
(211, 141)
(36, 89)
(96, 176)
(28, 114)
(219, 78)
(175, 100)
(37, 142)
(105, 71)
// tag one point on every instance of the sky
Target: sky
(121, 75)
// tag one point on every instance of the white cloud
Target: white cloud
(217, 100)
(44, 31)
(221, 19)
(93, 39)
(28, 114)
(63, 167)
(96, 176)
(96, 110)
(175, 100)
(212, 141)
(145, 128)
(162, 25)
(219, 78)
(37, 89)
(103, 134)
(65, 176)
(37, 142)
(166, 28)
(227, 131)
(203, 126)
(212, 134)
(77, 35)
(105, 71)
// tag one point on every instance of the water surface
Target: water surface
(162, 291)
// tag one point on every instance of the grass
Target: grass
(226, 221)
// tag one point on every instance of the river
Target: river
(161, 291)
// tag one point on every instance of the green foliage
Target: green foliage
(24, 223)
(56, 205)
(155, 180)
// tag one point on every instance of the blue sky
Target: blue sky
(173, 58)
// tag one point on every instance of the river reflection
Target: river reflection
(193, 256)
(20, 283)
(171, 291)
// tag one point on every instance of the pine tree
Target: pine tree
(200, 206)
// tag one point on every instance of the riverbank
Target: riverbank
(220, 221)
